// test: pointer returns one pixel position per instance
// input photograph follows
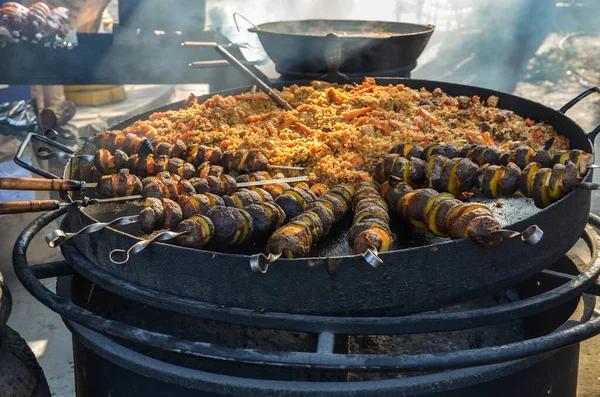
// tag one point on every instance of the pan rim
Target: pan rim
(425, 29)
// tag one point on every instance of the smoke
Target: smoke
(486, 43)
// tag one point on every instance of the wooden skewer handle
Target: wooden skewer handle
(40, 184)
(21, 207)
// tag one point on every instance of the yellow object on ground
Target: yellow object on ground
(95, 95)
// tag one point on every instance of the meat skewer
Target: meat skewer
(460, 175)
(444, 215)
(130, 144)
(295, 239)
(123, 187)
(165, 208)
(233, 223)
(370, 229)
(522, 156)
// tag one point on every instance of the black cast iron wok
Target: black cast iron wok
(420, 273)
(366, 46)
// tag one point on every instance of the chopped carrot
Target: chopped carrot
(357, 162)
(271, 128)
(364, 176)
(394, 123)
(191, 124)
(304, 128)
(383, 126)
(363, 90)
(319, 148)
(488, 139)
(368, 81)
(226, 143)
(537, 134)
(253, 118)
(529, 122)
(349, 115)
(476, 99)
(334, 96)
(253, 128)
(307, 108)
(286, 123)
(185, 135)
(291, 144)
(428, 116)
(419, 122)
(252, 97)
(363, 119)
(156, 116)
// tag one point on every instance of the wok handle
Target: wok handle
(22, 207)
(591, 135)
(237, 26)
(55, 185)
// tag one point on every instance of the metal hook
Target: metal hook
(532, 235)
(137, 247)
(57, 237)
(45, 153)
(372, 257)
(259, 263)
(53, 134)
(237, 14)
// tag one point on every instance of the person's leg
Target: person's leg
(53, 95)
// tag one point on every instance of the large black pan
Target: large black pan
(366, 46)
(420, 273)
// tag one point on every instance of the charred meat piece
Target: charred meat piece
(458, 228)
(199, 229)
(374, 237)
(240, 199)
(407, 150)
(360, 227)
(263, 194)
(435, 218)
(335, 204)
(412, 204)
(221, 185)
(291, 241)
(324, 213)
(313, 222)
(527, 178)
(231, 226)
(344, 191)
(153, 216)
(119, 185)
(107, 163)
(293, 201)
(393, 191)
(267, 217)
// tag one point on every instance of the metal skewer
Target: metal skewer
(57, 237)
(20, 207)
(251, 76)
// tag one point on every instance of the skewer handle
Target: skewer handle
(40, 184)
(22, 207)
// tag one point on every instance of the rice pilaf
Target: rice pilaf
(333, 129)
